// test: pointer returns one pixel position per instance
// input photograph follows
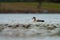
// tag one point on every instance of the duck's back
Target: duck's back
(40, 20)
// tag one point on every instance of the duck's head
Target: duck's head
(34, 19)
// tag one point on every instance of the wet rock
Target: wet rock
(5, 24)
(27, 25)
(45, 25)
(15, 26)
(10, 26)
(1, 24)
(1, 29)
(37, 25)
(51, 27)
(57, 24)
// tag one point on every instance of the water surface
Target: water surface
(27, 18)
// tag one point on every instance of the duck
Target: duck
(35, 20)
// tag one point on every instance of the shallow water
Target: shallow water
(37, 31)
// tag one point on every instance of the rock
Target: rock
(1, 28)
(51, 27)
(15, 26)
(27, 25)
(5, 24)
(10, 26)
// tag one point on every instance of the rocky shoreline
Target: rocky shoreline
(29, 25)
(33, 33)
(22, 30)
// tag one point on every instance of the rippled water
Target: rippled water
(37, 31)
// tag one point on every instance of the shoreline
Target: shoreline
(30, 11)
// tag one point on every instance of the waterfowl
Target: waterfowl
(34, 20)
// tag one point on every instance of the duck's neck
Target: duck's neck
(34, 20)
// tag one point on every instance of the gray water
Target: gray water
(34, 33)
(27, 18)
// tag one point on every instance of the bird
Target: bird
(35, 20)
